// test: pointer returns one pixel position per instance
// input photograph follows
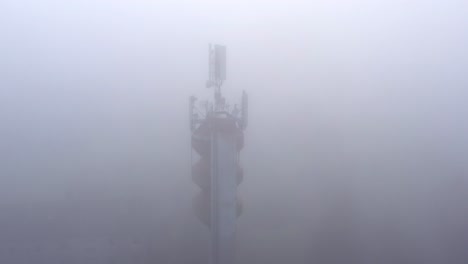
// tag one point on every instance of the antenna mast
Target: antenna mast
(217, 73)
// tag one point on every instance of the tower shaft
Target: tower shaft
(224, 166)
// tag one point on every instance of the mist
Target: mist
(356, 150)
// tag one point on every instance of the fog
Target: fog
(356, 150)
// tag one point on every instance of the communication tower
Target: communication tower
(218, 137)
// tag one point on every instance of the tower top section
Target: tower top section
(218, 107)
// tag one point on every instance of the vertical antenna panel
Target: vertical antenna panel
(245, 110)
(211, 67)
(220, 62)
